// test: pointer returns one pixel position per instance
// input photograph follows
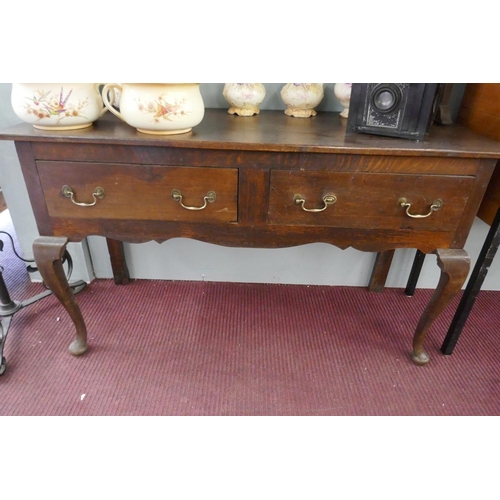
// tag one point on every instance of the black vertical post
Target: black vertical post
(473, 287)
(415, 273)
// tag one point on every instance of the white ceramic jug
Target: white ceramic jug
(157, 108)
(57, 106)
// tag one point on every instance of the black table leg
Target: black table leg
(473, 287)
(415, 273)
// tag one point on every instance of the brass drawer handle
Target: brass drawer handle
(436, 205)
(98, 193)
(328, 199)
(208, 198)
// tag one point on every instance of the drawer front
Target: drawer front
(140, 192)
(367, 201)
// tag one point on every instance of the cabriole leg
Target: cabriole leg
(48, 252)
(454, 265)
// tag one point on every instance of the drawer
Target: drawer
(367, 200)
(140, 192)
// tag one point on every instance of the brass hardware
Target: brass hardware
(328, 199)
(436, 205)
(208, 198)
(98, 193)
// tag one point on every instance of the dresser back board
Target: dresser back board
(480, 111)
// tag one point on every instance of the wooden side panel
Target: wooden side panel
(35, 190)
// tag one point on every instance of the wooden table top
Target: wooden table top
(272, 130)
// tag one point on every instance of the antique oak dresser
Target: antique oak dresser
(265, 181)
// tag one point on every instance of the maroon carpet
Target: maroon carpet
(199, 348)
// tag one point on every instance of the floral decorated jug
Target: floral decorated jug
(301, 98)
(157, 108)
(342, 92)
(244, 98)
(57, 106)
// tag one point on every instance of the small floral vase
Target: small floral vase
(301, 98)
(244, 98)
(342, 92)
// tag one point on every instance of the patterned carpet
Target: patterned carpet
(201, 348)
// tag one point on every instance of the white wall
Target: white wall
(182, 259)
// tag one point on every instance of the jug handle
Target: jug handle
(110, 87)
(104, 108)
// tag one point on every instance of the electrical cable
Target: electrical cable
(13, 247)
